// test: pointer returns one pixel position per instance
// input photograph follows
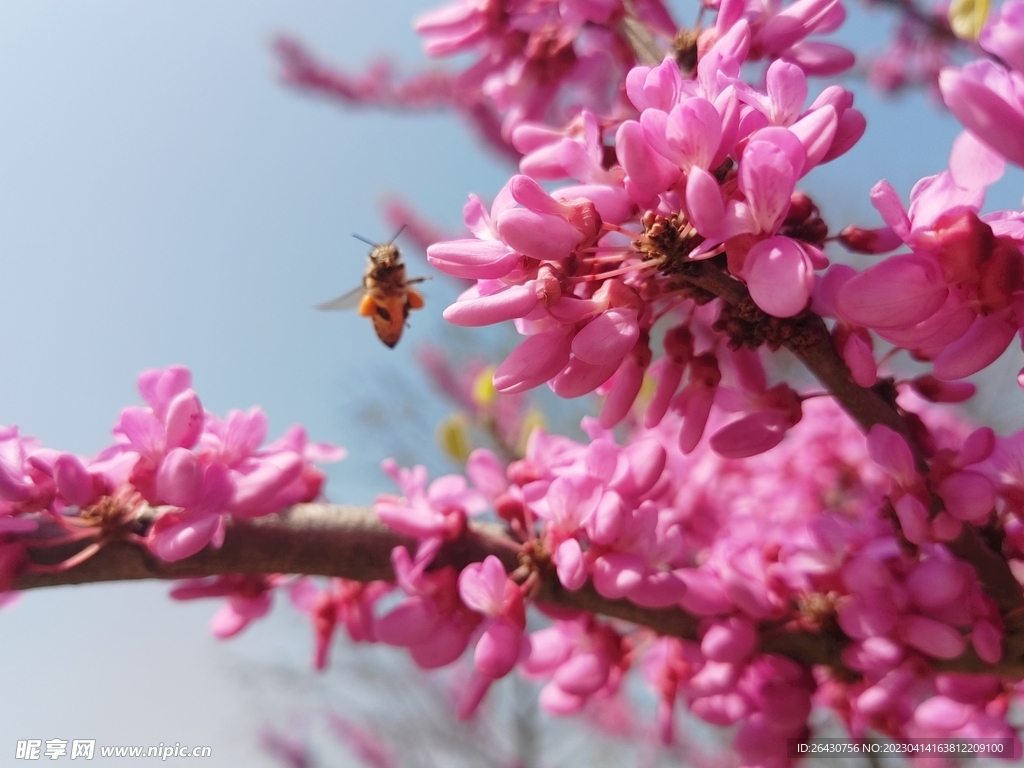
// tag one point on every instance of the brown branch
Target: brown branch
(806, 337)
(351, 543)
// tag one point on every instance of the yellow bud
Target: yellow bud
(483, 387)
(453, 437)
(967, 17)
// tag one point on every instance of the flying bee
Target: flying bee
(385, 296)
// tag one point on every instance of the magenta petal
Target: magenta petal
(549, 647)
(608, 337)
(779, 276)
(693, 130)
(890, 451)
(898, 293)
(932, 637)
(821, 59)
(968, 496)
(987, 642)
(226, 622)
(245, 433)
(769, 168)
(605, 525)
(617, 573)
(507, 304)
(579, 378)
(935, 583)
(787, 88)
(986, 339)
(183, 539)
(972, 164)
(942, 714)
(255, 489)
(12, 482)
(721, 709)
(654, 87)
(645, 461)
(159, 386)
(851, 127)
(649, 174)
(749, 436)
(543, 236)
(704, 203)
(796, 21)
(558, 159)
(705, 594)
(816, 132)
(694, 403)
(730, 640)
(583, 674)
(143, 429)
(533, 362)
(179, 479)
(17, 525)
(184, 420)
(625, 387)
(887, 202)
(410, 622)
(860, 618)
(531, 195)
(669, 375)
(473, 259)
(558, 702)
(569, 565)
(913, 519)
(1003, 35)
(486, 472)
(860, 358)
(73, 480)
(978, 446)
(660, 589)
(986, 99)
(612, 203)
(482, 586)
(497, 650)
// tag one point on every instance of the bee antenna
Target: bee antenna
(401, 229)
(360, 237)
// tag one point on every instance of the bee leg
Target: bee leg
(367, 306)
(413, 299)
(412, 280)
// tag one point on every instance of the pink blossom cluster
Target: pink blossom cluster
(170, 458)
(541, 61)
(986, 94)
(710, 168)
(953, 299)
(803, 536)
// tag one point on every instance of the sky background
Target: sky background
(163, 199)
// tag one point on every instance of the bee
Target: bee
(385, 296)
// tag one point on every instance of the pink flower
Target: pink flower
(248, 599)
(989, 101)
(440, 509)
(1003, 35)
(342, 602)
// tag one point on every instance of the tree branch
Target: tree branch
(351, 543)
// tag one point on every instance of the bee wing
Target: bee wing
(348, 300)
